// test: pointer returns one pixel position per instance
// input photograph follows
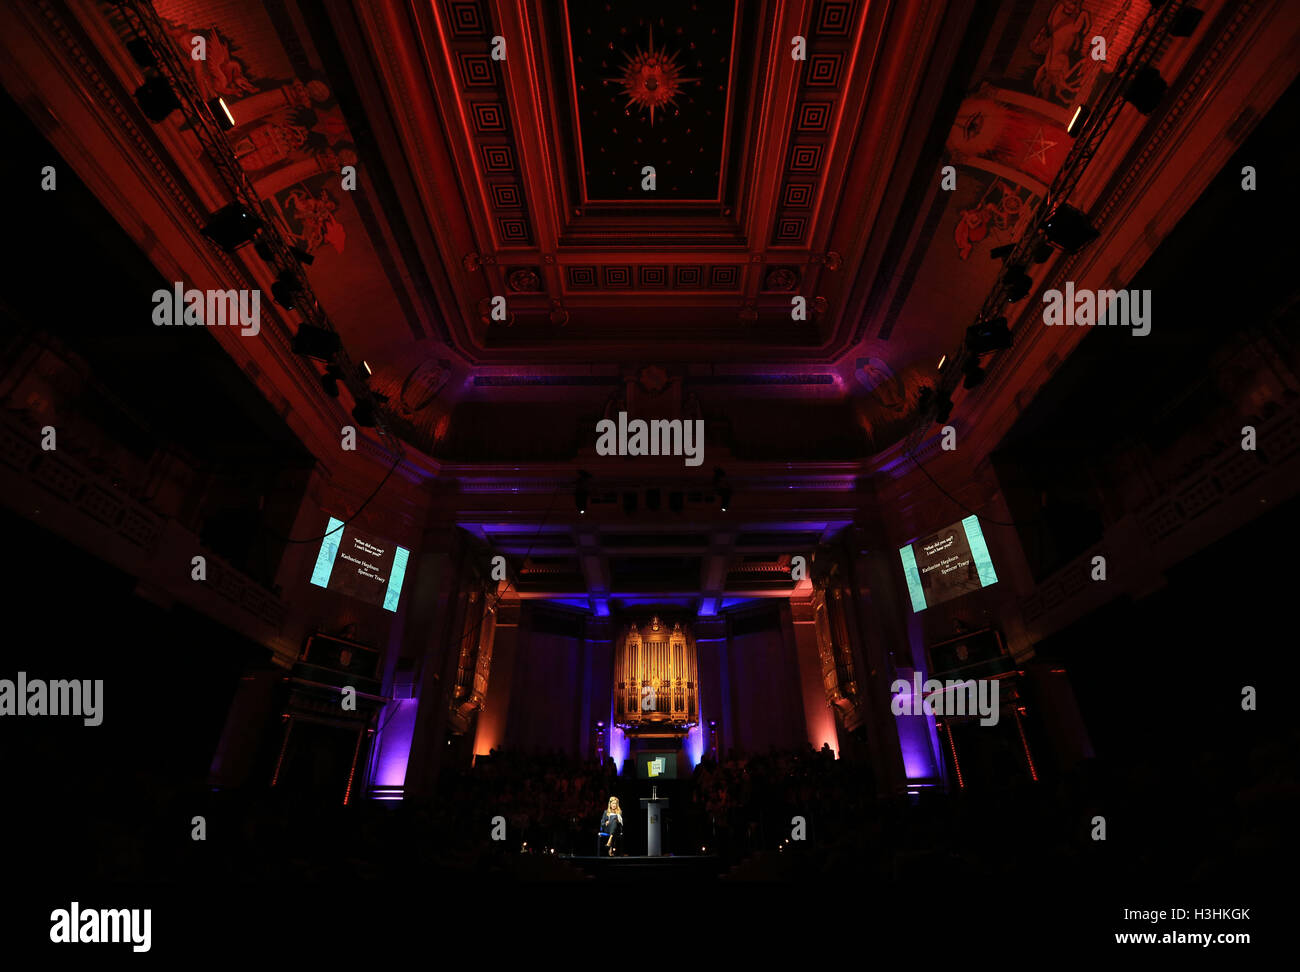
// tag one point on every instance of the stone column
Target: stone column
(714, 691)
(496, 707)
(598, 679)
(799, 626)
(432, 639)
(875, 612)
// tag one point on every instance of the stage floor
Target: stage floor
(642, 857)
(641, 868)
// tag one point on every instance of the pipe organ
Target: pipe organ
(655, 677)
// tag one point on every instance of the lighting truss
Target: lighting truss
(1144, 49)
(148, 28)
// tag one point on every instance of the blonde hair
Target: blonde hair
(614, 805)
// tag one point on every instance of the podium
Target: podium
(653, 805)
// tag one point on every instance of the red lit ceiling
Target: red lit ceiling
(501, 149)
(543, 194)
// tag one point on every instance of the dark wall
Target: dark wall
(1066, 464)
(169, 677)
(170, 390)
(546, 692)
(553, 668)
(766, 699)
(1163, 674)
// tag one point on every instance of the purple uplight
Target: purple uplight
(618, 747)
(916, 737)
(393, 747)
(694, 745)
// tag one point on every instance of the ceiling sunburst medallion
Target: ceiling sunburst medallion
(652, 79)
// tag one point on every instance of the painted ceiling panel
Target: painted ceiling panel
(652, 87)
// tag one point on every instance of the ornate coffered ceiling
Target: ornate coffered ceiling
(533, 165)
(498, 257)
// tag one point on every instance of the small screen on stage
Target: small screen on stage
(656, 766)
(947, 564)
(360, 566)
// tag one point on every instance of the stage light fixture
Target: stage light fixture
(221, 113)
(316, 342)
(653, 499)
(1145, 90)
(1003, 251)
(286, 290)
(1077, 121)
(156, 99)
(1016, 283)
(972, 373)
(676, 502)
(1042, 253)
(364, 414)
(305, 258)
(1185, 22)
(629, 503)
(988, 335)
(331, 385)
(263, 249)
(232, 227)
(1068, 229)
(141, 52)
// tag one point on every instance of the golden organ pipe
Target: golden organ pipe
(664, 659)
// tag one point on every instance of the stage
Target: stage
(700, 867)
